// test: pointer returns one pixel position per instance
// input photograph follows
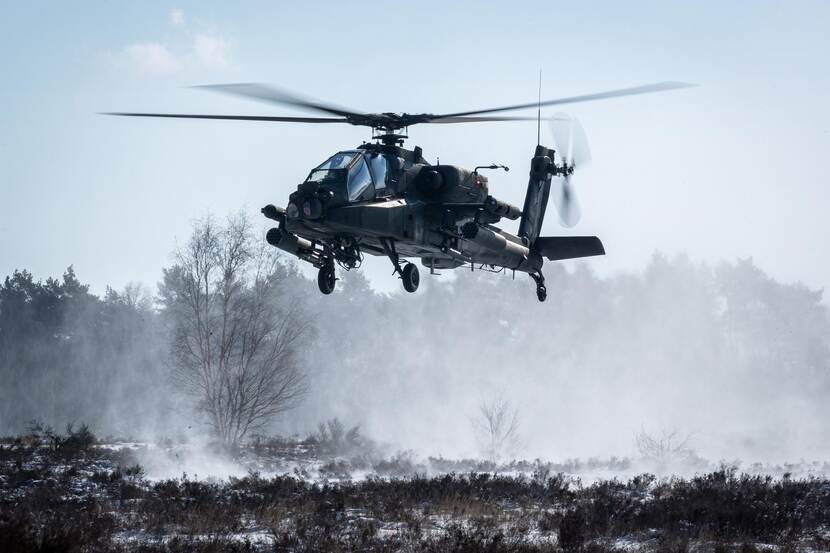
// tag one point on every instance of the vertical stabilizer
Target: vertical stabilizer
(536, 199)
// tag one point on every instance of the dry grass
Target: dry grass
(96, 499)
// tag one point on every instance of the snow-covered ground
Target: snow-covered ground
(305, 496)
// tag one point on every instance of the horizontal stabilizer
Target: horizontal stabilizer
(568, 247)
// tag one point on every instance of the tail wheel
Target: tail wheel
(411, 278)
(326, 278)
(541, 292)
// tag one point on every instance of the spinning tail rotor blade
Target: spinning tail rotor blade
(569, 140)
(565, 200)
(571, 145)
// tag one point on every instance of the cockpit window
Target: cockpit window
(332, 167)
(378, 165)
(340, 160)
(346, 175)
(360, 182)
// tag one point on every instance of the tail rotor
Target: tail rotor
(571, 145)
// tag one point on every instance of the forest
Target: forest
(725, 354)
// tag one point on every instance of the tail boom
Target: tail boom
(538, 191)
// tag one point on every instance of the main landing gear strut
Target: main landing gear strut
(541, 291)
(408, 273)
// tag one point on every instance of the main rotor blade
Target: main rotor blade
(645, 89)
(479, 119)
(234, 117)
(273, 95)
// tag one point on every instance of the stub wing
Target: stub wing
(568, 247)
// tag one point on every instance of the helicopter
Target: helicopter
(385, 200)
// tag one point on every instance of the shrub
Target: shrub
(78, 440)
(335, 438)
(400, 464)
(572, 530)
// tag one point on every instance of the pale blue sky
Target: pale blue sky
(737, 167)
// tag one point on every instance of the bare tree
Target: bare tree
(234, 339)
(137, 296)
(497, 426)
(663, 449)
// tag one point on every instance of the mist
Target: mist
(724, 354)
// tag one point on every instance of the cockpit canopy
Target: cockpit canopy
(352, 175)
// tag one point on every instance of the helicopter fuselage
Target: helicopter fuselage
(419, 230)
(441, 214)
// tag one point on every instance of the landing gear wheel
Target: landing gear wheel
(326, 278)
(411, 278)
(541, 291)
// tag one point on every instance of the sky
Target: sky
(737, 167)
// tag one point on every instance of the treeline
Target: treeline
(725, 353)
(67, 355)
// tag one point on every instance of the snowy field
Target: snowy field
(306, 495)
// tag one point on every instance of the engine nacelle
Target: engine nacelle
(429, 181)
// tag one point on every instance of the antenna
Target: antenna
(539, 112)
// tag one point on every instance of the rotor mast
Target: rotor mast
(389, 137)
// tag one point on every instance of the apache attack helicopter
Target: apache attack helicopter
(382, 199)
